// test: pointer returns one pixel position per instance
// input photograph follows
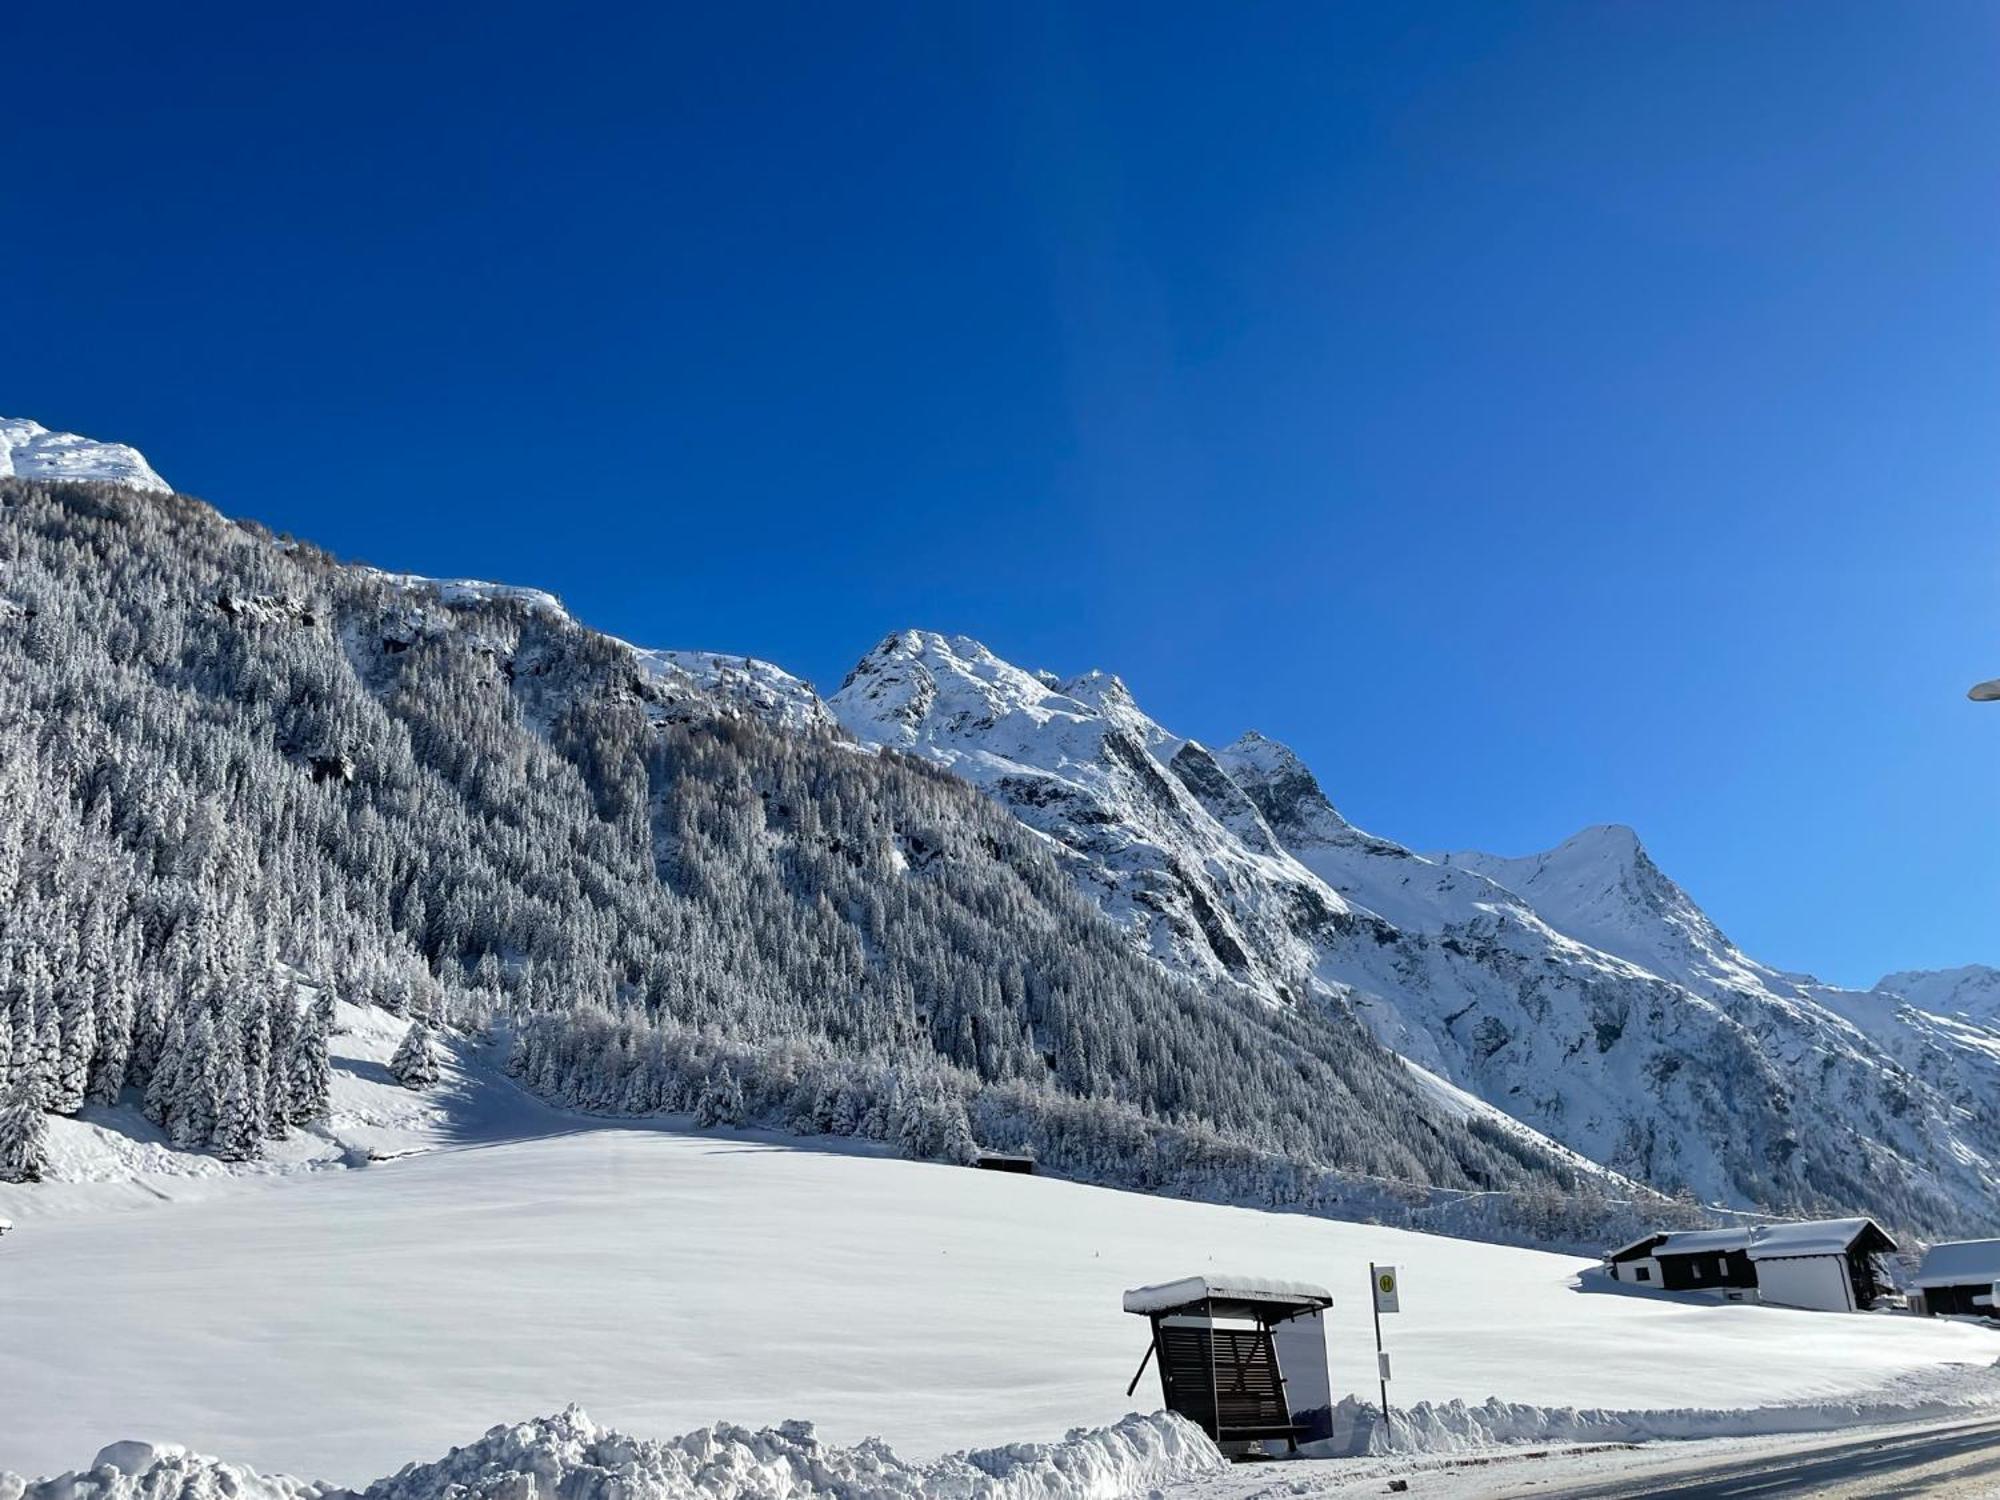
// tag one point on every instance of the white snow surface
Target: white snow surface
(31, 451)
(569, 1456)
(336, 1322)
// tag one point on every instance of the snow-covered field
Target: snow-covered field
(339, 1323)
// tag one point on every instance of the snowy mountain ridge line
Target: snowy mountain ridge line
(30, 451)
(1581, 990)
(483, 814)
(1628, 1030)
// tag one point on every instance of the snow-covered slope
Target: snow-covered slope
(1581, 991)
(743, 682)
(30, 451)
(338, 1324)
(1155, 832)
(1933, 1038)
(1972, 991)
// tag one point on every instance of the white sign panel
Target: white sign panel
(1386, 1289)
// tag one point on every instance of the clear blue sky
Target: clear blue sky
(1537, 414)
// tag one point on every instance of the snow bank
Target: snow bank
(571, 1457)
(160, 1471)
(1460, 1426)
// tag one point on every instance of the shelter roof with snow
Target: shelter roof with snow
(1960, 1263)
(1190, 1291)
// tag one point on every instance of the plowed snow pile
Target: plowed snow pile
(571, 1457)
(1955, 1390)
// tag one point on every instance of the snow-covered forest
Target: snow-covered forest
(239, 779)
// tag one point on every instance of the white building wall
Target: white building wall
(1815, 1281)
(1629, 1271)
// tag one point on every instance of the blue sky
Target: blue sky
(1536, 414)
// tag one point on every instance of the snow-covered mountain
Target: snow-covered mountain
(1582, 991)
(1972, 991)
(667, 878)
(30, 451)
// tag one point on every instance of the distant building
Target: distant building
(1004, 1161)
(1825, 1264)
(1696, 1260)
(1961, 1277)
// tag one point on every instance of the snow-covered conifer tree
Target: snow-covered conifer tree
(239, 1133)
(70, 1078)
(197, 1087)
(415, 1064)
(312, 1074)
(23, 1133)
(165, 1076)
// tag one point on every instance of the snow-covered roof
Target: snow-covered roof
(1812, 1237)
(1960, 1263)
(1704, 1241)
(1684, 1242)
(1764, 1241)
(1223, 1288)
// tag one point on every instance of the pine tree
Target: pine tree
(23, 1133)
(239, 1134)
(311, 1070)
(197, 1093)
(113, 1034)
(164, 1079)
(77, 1045)
(415, 1064)
(278, 1078)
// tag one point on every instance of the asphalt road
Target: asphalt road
(1963, 1459)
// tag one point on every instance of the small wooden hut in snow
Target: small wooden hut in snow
(1242, 1357)
(1961, 1277)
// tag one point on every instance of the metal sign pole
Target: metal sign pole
(1375, 1306)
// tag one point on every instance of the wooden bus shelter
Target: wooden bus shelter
(1242, 1357)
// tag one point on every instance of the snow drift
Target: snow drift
(571, 1457)
(1462, 1426)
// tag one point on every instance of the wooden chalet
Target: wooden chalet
(1696, 1260)
(1960, 1278)
(1827, 1264)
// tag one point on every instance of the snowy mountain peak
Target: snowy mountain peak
(30, 451)
(755, 687)
(1972, 990)
(1285, 791)
(920, 684)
